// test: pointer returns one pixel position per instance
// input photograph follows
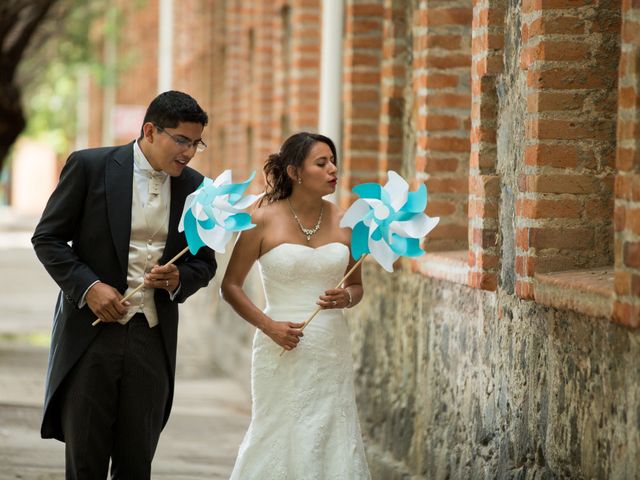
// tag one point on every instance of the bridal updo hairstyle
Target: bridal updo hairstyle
(293, 152)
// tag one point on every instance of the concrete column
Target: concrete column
(330, 123)
(165, 46)
(110, 58)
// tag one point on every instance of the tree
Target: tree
(40, 41)
(19, 24)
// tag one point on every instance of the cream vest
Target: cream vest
(149, 226)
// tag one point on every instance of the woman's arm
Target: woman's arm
(245, 252)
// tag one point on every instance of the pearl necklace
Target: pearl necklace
(307, 231)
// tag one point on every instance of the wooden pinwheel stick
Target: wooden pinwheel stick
(139, 287)
(317, 310)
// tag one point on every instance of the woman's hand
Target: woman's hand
(336, 298)
(285, 334)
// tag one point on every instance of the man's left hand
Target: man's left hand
(163, 276)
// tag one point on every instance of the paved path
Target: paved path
(209, 417)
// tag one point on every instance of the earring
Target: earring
(299, 181)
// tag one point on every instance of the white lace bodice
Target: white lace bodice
(295, 275)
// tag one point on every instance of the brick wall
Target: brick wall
(442, 103)
(627, 189)
(363, 46)
(484, 183)
(565, 201)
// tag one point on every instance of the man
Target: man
(110, 387)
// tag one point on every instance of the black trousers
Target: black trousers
(113, 403)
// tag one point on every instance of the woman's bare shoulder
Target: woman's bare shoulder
(264, 213)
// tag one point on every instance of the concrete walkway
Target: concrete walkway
(210, 413)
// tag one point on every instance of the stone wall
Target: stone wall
(460, 383)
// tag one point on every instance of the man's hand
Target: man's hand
(163, 276)
(104, 302)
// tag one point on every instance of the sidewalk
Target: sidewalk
(209, 417)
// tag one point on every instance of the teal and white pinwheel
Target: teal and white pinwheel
(215, 211)
(388, 221)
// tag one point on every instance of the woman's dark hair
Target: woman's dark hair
(170, 108)
(293, 152)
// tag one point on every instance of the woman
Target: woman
(304, 421)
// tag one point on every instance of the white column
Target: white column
(165, 46)
(83, 109)
(110, 56)
(330, 122)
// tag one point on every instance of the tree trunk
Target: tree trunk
(12, 120)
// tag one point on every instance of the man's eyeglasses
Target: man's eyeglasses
(185, 142)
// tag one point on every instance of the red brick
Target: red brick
(542, 208)
(622, 283)
(550, 50)
(627, 158)
(436, 165)
(484, 238)
(435, 80)
(447, 144)
(564, 24)
(524, 290)
(568, 78)
(483, 208)
(449, 100)
(447, 185)
(559, 156)
(483, 281)
(446, 62)
(628, 97)
(522, 238)
(542, 101)
(569, 238)
(440, 208)
(493, 16)
(484, 185)
(483, 159)
(442, 122)
(433, 17)
(631, 32)
(446, 42)
(548, 129)
(448, 231)
(632, 220)
(602, 208)
(626, 314)
(578, 184)
(487, 42)
(372, 9)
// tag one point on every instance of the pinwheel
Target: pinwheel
(387, 222)
(213, 212)
(211, 215)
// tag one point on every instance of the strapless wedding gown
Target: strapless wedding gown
(304, 420)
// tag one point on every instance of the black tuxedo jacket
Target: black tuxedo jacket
(91, 209)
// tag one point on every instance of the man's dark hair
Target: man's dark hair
(170, 108)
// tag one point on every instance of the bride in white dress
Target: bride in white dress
(304, 421)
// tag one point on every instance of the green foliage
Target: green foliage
(53, 74)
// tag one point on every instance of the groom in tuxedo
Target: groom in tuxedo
(110, 225)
